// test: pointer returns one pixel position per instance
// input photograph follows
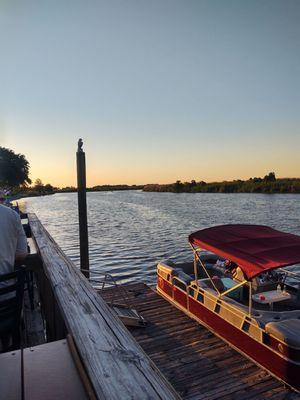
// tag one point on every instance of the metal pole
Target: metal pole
(195, 269)
(82, 211)
(250, 298)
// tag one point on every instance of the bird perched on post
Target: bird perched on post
(80, 144)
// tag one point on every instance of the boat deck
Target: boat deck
(198, 364)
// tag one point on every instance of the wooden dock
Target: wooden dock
(111, 363)
(172, 358)
(198, 364)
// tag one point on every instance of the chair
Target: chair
(29, 285)
(11, 301)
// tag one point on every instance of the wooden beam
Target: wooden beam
(117, 366)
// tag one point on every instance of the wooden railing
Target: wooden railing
(117, 366)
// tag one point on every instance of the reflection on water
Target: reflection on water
(130, 231)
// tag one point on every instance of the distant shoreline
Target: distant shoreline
(105, 188)
(267, 185)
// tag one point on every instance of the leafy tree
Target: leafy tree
(38, 185)
(270, 177)
(178, 186)
(49, 188)
(14, 169)
(256, 180)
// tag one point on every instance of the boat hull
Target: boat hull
(277, 364)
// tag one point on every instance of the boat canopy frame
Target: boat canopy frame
(196, 252)
(255, 248)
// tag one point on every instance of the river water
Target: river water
(130, 231)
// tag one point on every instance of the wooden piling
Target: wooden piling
(82, 210)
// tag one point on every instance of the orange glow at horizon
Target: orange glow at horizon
(215, 159)
(65, 175)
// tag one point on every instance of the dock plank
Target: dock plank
(11, 375)
(50, 373)
(197, 363)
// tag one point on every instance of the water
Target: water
(130, 231)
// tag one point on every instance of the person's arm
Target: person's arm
(22, 247)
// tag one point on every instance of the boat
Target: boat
(239, 287)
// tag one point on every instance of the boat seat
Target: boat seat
(186, 267)
(203, 283)
(182, 276)
(287, 331)
(236, 304)
(206, 284)
(265, 317)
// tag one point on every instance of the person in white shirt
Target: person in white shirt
(13, 242)
(13, 249)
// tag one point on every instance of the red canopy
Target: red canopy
(255, 248)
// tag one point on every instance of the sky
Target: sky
(159, 90)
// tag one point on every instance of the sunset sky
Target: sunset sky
(159, 90)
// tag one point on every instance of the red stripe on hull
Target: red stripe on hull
(165, 286)
(180, 297)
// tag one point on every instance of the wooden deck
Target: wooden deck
(46, 372)
(197, 363)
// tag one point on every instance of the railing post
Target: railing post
(82, 210)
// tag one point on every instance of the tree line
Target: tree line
(14, 179)
(268, 184)
(101, 188)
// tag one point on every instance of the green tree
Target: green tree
(38, 185)
(14, 169)
(48, 188)
(178, 186)
(270, 177)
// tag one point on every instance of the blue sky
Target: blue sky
(159, 90)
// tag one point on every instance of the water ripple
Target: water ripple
(130, 231)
